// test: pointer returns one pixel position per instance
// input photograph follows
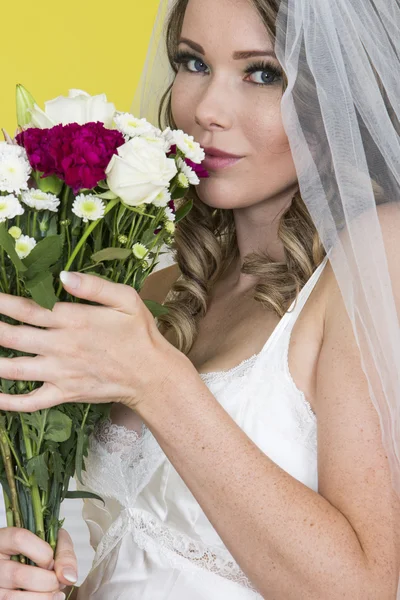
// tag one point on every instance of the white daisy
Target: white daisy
(10, 207)
(183, 181)
(131, 126)
(188, 171)
(88, 207)
(155, 138)
(169, 214)
(40, 200)
(15, 169)
(187, 145)
(162, 198)
(24, 245)
(139, 250)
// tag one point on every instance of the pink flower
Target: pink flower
(197, 168)
(77, 154)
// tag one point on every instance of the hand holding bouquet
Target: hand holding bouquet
(87, 188)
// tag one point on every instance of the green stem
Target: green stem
(9, 518)
(34, 224)
(4, 272)
(35, 493)
(46, 412)
(7, 460)
(84, 237)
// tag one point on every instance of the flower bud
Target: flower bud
(183, 181)
(21, 386)
(123, 239)
(169, 227)
(139, 251)
(15, 232)
(25, 102)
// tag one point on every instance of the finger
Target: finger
(66, 564)
(5, 595)
(26, 311)
(27, 368)
(44, 397)
(89, 287)
(15, 576)
(25, 338)
(14, 540)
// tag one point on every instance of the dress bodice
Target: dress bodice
(150, 510)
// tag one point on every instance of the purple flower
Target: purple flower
(77, 154)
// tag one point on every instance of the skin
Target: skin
(293, 542)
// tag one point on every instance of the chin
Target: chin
(220, 194)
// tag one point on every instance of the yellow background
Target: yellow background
(91, 45)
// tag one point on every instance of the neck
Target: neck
(257, 231)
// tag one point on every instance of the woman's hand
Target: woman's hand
(43, 582)
(108, 353)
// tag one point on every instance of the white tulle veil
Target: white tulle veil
(341, 112)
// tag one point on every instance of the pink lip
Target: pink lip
(218, 159)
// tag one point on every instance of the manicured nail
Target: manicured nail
(70, 575)
(59, 596)
(72, 280)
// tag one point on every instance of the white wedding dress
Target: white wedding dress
(152, 539)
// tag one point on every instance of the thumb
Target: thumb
(99, 290)
(65, 563)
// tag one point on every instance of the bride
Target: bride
(248, 453)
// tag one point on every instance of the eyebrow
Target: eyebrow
(240, 55)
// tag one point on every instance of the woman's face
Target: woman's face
(227, 94)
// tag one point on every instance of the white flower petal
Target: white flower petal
(88, 207)
(24, 245)
(40, 200)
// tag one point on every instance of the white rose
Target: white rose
(139, 172)
(79, 107)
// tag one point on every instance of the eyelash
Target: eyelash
(183, 58)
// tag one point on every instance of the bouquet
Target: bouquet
(88, 188)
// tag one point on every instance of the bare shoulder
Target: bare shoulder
(159, 283)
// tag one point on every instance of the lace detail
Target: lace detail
(239, 371)
(122, 458)
(179, 549)
(118, 439)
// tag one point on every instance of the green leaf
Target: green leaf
(183, 211)
(179, 193)
(37, 466)
(58, 427)
(43, 256)
(8, 243)
(80, 495)
(156, 309)
(79, 454)
(112, 254)
(42, 290)
(107, 195)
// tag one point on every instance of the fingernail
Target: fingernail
(70, 575)
(59, 596)
(72, 280)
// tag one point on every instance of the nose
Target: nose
(214, 110)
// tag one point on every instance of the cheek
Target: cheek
(182, 104)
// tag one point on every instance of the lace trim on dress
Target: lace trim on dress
(239, 371)
(181, 551)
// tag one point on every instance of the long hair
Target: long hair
(205, 244)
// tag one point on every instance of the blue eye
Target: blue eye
(190, 62)
(263, 73)
(198, 66)
(262, 77)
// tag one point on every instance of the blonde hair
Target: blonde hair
(205, 244)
